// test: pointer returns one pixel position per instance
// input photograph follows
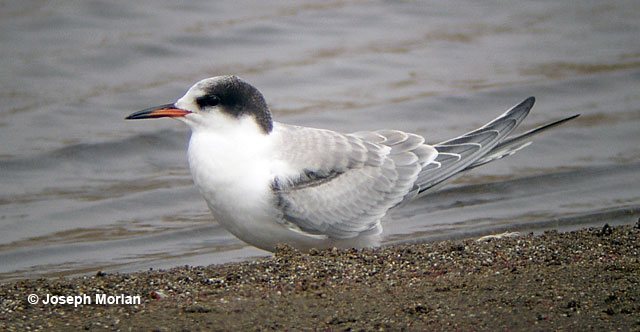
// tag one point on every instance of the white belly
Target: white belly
(235, 183)
(235, 176)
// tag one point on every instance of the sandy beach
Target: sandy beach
(583, 280)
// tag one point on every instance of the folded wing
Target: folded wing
(346, 183)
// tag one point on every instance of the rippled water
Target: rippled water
(83, 190)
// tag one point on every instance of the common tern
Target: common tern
(269, 183)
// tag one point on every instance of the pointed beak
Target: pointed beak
(162, 111)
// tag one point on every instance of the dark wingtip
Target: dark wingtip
(526, 104)
(564, 120)
(530, 101)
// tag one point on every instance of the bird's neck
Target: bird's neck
(230, 163)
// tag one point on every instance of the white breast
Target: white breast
(234, 170)
(230, 168)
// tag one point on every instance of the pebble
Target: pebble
(587, 279)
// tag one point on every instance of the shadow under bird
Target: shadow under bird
(269, 183)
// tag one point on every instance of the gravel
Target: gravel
(582, 280)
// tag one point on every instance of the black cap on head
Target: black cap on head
(238, 98)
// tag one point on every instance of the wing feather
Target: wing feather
(346, 183)
(456, 154)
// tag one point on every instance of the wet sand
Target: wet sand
(583, 280)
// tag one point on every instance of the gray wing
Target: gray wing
(511, 145)
(478, 147)
(346, 183)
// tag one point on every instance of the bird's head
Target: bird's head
(215, 102)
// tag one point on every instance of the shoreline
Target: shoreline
(585, 279)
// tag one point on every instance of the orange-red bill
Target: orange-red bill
(163, 111)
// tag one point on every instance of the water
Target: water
(83, 190)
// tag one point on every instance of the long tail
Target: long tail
(483, 145)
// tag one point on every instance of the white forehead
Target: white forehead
(188, 101)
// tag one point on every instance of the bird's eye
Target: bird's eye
(208, 101)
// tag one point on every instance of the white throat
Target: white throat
(231, 152)
(232, 168)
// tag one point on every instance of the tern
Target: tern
(271, 183)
